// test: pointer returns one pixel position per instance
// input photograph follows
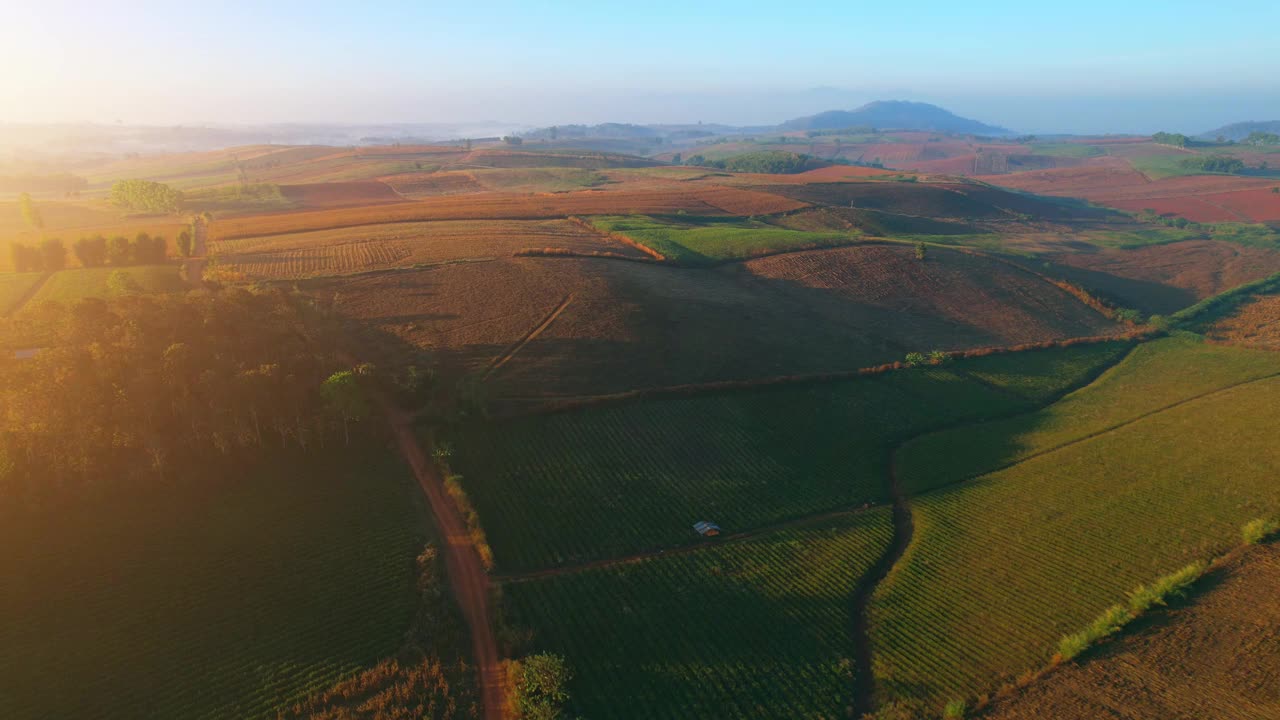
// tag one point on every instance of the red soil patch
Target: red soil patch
(1164, 278)
(1259, 205)
(454, 182)
(1073, 181)
(339, 194)
(1189, 207)
(1217, 658)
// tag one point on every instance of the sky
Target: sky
(1083, 66)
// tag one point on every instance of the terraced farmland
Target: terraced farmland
(1156, 375)
(753, 629)
(1003, 566)
(229, 594)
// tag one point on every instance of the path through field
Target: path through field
(467, 576)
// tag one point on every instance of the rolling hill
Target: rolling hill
(897, 115)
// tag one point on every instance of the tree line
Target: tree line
(1214, 163)
(133, 388)
(1174, 139)
(50, 254)
(146, 196)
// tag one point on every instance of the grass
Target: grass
(13, 286)
(613, 480)
(259, 197)
(752, 629)
(1002, 567)
(550, 179)
(1040, 375)
(230, 594)
(68, 286)
(1154, 376)
(1158, 167)
(704, 241)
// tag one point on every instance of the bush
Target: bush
(539, 684)
(146, 196)
(955, 710)
(1258, 530)
(1108, 623)
(915, 359)
(1173, 585)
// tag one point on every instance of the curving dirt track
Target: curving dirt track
(467, 575)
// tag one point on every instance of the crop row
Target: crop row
(753, 629)
(613, 480)
(1001, 568)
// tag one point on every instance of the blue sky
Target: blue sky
(1082, 65)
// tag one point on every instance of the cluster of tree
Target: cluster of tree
(540, 686)
(1174, 139)
(55, 182)
(773, 162)
(139, 386)
(513, 139)
(146, 196)
(144, 249)
(1214, 163)
(1151, 216)
(48, 256)
(1262, 138)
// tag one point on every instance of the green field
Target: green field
(13, 286)
(1000, 568)
(551, 179)
(260, 197)
(704, 240)
(68, 286)
(753, 629)
(1068, 150)
(235, 592)
(1154, 376)
(602, 482)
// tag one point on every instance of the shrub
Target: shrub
(955, 710)
(539, 687)
(915, 359)
(938, 357)
(1258, 530)
(1173, 585)
(922, 251)
(1106, 624)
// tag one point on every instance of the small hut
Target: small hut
(706, 529)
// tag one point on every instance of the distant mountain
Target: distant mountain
(895, 115)
(1241, 130)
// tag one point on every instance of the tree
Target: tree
(922, 251)
(120, 282)
(148, 250)
(344, 395)
(25, 258)
(513, 139)
(53, 255)
(185, 243)
(120, 251)
(540, 687)
(91, 251)
(30, 214)
(146, 196)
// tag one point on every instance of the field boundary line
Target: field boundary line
(506, 357)
(30, 293)
(511, 578)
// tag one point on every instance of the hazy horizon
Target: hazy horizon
(1094, 68)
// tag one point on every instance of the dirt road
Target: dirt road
(467, 576)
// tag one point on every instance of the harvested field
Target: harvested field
(375, 247)
(1216, 658)
(494, 206)
(339, 194)
(637, 325)
(538, 180)
(503, 158)
(1078, 181)
(1255, 324)
(1164, 278)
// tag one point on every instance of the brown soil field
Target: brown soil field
(500, 206)
(1164, 278)
(375, 247)
(1214, 658)
(1259, 205)
(1073, 181)
(1255, 324)
(418, 185)
(339, 194)
(621, 326)
(503, 158)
